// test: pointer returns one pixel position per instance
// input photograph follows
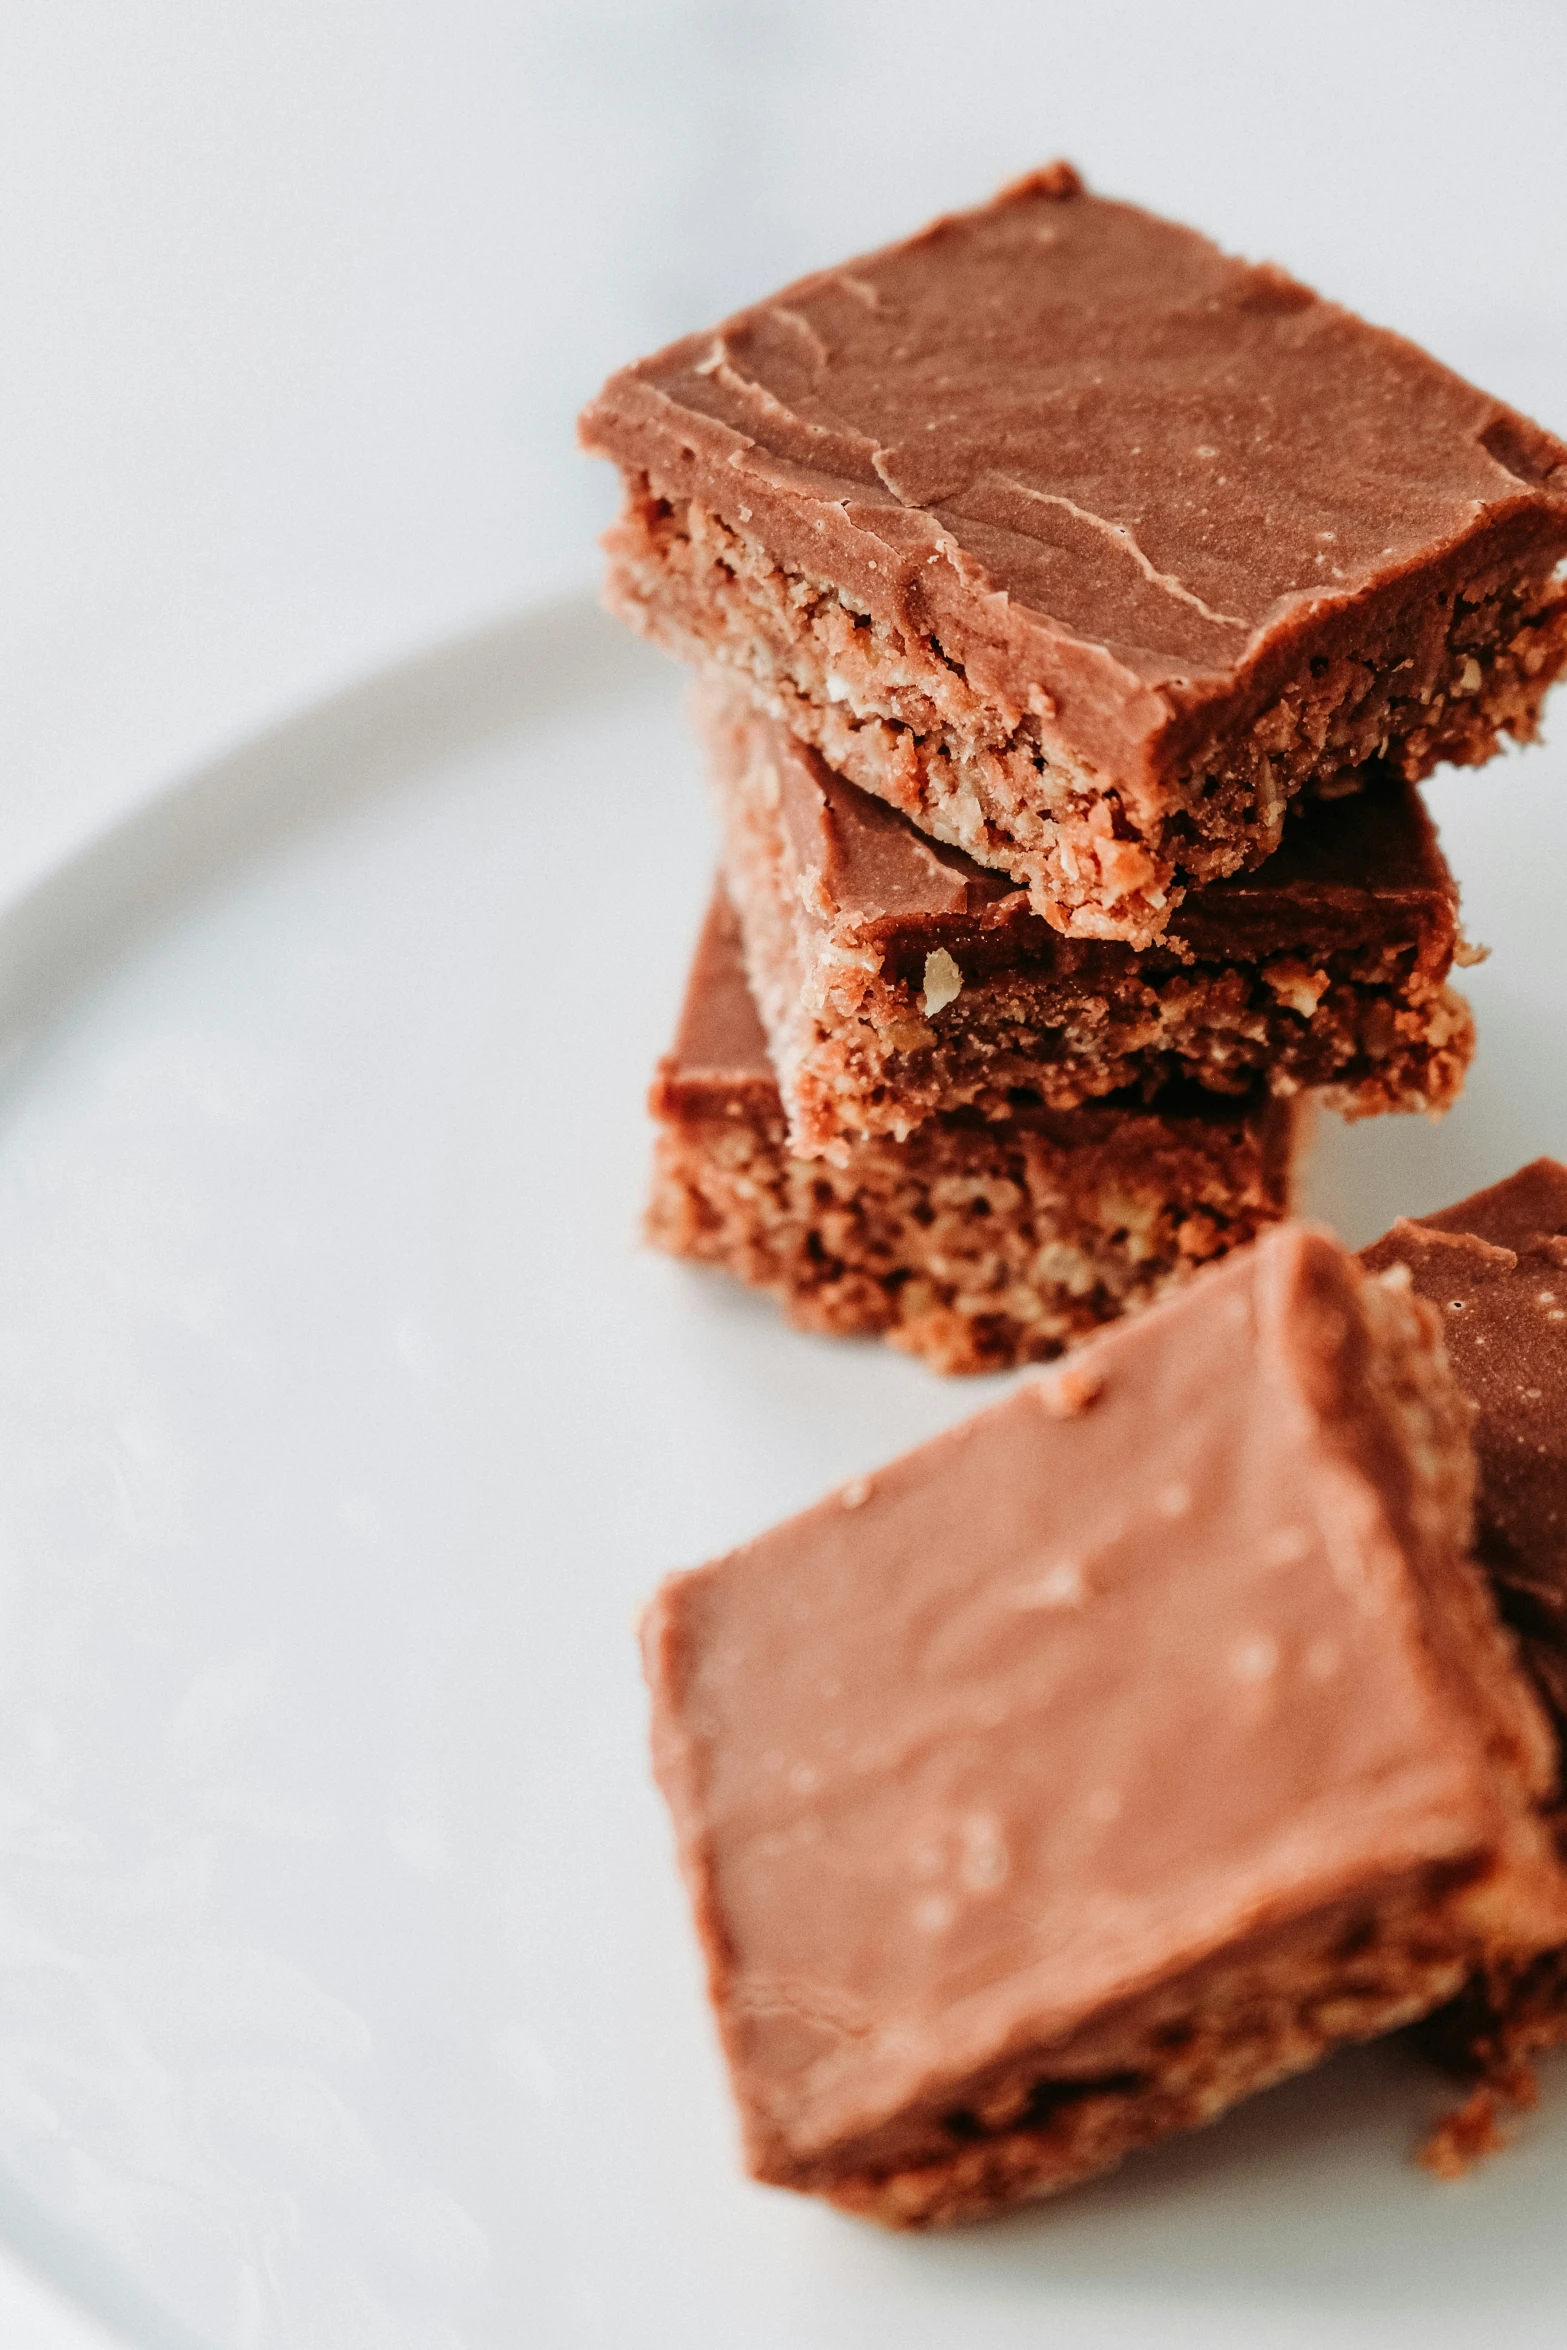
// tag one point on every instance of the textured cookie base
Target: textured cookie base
(974, 1245)
(902, 720)
(1366, 1048)
(1260, 2025)
(1506, 2015)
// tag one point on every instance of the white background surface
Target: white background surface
(297, 301)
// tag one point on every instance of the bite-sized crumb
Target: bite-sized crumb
(1463, 2137)
(943, 982)
(1472, 2132)
(1070, 1391)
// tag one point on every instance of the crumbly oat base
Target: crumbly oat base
(975, 1246)
(900, 719)
(1032, 2135)
(1367, 1051)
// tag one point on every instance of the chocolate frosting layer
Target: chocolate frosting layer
(1495, 1268)
(1089, 450)
(719, 1037)
(1139, 1664)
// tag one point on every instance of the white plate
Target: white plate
(346, 1992)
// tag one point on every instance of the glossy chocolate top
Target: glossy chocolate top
(1084, 427)
(1495, 1268)
(1364, 870)
(1133, 1666)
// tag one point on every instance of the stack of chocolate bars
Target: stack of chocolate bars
(1074, 610)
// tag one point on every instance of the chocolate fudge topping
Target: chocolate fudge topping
(718, 1039)
(1495, 1268)
(1118, 472)
(1000, 1756)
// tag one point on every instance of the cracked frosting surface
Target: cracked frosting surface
(1132, 1666)
(1111, 434)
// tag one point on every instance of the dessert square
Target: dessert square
(978, 1243)
(897, 978)
(1494, 1267)
(1122, 1750)
(1087, 545)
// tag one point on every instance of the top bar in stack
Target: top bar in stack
(1088, 546)
(898, 979)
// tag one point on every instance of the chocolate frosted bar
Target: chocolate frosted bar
(1121, 1751)
(976, 1244)
(1088, 546)
(897, 978)
(1495, 1269)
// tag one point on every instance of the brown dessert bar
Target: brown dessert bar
(1495, 1269)
(897, 978)
(1088, 546)
(977, 1244)
(1121, 1751)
